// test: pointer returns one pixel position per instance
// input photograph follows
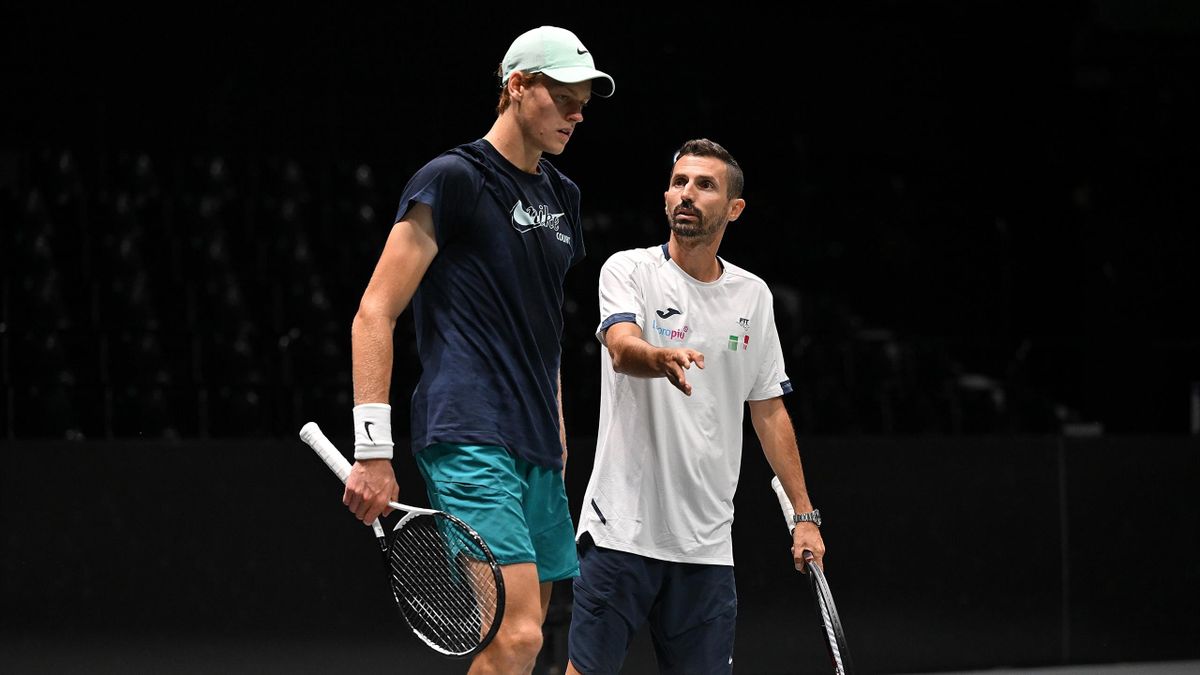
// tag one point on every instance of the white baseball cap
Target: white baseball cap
(557, 53)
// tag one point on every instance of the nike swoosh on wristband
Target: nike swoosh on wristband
(367, 428)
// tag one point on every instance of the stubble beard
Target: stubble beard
(700, 228)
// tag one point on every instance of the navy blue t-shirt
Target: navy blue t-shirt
(488, 312)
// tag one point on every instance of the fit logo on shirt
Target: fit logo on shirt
(526, 219)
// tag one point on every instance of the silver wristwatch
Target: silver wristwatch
(813, 517)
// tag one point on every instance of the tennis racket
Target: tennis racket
(442, 575)
(831, 624)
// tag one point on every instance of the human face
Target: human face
(698, 204)
(549, 110)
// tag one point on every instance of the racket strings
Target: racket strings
(444, 583)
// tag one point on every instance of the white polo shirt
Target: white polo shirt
(667, 465)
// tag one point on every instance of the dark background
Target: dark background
(994, 188)
(978, 220)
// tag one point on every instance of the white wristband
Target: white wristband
(372, 431)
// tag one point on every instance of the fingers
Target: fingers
(369, 510)
(682, 385)
(686, 357)
(800, 561)
(677, 378)
(393, 495)
(681, 360)
(361, 504)
(366, 501)
(374, 504)
(351, 499)
(807, 547)
(805, 559)
(374, 510)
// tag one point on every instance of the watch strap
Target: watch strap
(813, 517)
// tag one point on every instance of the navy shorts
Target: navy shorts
(691, 610)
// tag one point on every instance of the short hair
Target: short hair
(702, 147)
(527, 79)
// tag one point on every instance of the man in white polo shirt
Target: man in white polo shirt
(655, 530)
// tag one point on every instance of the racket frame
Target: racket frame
(312, 436)
(831, 623)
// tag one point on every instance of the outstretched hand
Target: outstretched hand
(674, 363)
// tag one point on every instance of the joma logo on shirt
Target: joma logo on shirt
(526, 219)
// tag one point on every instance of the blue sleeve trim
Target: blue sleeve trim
(623, 317)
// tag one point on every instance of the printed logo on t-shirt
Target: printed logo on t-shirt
(733, 343)
(526, 219)
(673, 334)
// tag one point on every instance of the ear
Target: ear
(511, 85)
(515, 85)
(736, 208)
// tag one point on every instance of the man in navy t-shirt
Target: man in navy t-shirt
(483, 238)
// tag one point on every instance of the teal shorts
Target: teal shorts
(520, 509)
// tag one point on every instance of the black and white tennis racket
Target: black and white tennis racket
(831, 624)
(443, 577)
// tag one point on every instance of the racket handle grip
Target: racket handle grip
(315, 438)
(312, 435)
(785, 504)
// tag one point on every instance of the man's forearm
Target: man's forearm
(634, 356)
(778, 440)
(371, 355)
(786, 464)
